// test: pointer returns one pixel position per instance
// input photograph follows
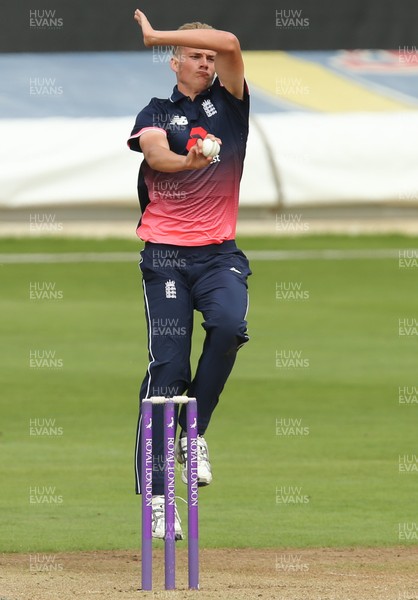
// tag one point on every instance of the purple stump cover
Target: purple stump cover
(146, 491)
(170, 496)
(192, 495)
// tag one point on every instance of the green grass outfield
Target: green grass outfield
(345, 464)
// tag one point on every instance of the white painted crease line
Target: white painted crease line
(263, 255)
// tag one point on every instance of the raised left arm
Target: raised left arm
(228, 61)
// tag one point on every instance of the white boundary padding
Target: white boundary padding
(63, 161)
(348, 157)
(257, 184)
(317, 158)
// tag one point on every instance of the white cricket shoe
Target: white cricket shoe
(204, 469)
(158, 519)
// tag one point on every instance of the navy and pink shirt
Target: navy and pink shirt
(199, 207)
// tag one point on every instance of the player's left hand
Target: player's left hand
(147, 30)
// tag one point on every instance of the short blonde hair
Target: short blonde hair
(193, 25)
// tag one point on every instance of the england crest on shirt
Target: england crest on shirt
(170, 289)
(208, 107)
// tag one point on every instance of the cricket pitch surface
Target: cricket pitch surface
(226, 574)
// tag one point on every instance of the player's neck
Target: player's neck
(189, 91)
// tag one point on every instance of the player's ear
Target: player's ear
(174, 64)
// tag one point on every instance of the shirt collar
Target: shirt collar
(176, 96)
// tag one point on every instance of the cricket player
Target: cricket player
(189, 205)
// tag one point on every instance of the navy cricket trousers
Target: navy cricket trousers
(178, 280)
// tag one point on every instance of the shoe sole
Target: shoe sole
(203, 483)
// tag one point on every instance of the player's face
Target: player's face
(195, 69)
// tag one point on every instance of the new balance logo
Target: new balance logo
(170, 289)
(208, 107)
(177, 120)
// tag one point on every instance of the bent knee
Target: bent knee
(231, 331)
